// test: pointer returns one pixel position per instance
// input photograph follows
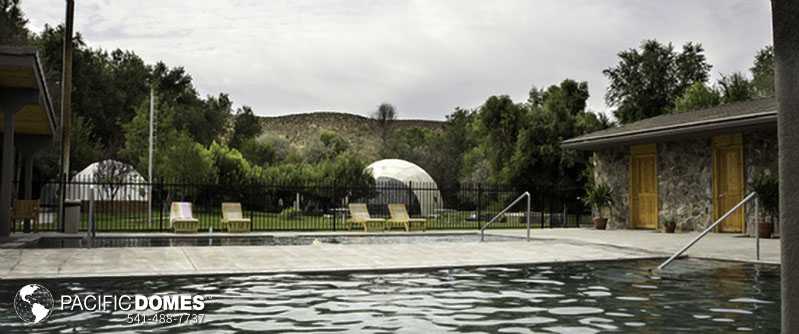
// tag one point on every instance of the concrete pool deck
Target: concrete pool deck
(548, 246)
(714, 246)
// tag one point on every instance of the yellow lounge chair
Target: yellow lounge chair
(359, 214)
(233, 219)
(399, 215)
(181, 219)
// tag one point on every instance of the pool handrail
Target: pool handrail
(527, 215)
(710, 228)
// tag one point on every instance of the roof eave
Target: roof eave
(673, 131)
(44, 95)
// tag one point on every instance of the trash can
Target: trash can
(71, 216)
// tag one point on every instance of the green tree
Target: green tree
(763, 72)
(328, 146)
(698, 96)
(267, 150)
(184, 160)
(230, 165)
(385, 115)
(647, 83)
(84, 150)
(246, 126)
(538, 162)
(205, 120)
(499, 121)
(736, 87)
(177, 157)
(455, 140)
(13, 24)
(108, 87)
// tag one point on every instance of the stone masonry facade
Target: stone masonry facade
(685, 172)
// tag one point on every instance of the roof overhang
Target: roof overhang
(762, 120)
(21, 70)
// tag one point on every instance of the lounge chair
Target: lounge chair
(233, 219)
(181, 218)
(359, 215)
(399, 215)
(26, 209)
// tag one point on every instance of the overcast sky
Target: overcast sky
(426, 57)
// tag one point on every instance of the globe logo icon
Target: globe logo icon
(33, 303)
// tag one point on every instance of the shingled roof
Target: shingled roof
(760, 112)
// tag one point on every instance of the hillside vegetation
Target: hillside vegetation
(301, 130)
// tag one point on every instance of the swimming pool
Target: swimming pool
(693, 296)
(260, 240)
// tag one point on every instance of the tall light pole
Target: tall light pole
(785, 19)
(66, 106)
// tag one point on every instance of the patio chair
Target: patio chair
(359, 215)
(26, 209)
(233, 218)
(181, 218)
(399, 215)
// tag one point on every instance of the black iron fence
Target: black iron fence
(140, 206)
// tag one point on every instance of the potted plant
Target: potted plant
(767, 187)
(599, 197)
(669, 225)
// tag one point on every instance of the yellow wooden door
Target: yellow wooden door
(728, 181)
(643, 187)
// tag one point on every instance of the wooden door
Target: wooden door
(643, 187)
(728, 180)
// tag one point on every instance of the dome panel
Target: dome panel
(424, 188)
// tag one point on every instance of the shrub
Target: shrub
(599, 196)
(767, 187)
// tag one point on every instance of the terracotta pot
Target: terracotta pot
(765, 229)
(669, 228)
(600, 223)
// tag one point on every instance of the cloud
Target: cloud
(426, 57)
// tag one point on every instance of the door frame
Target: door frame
(639, 151)
(729, 141)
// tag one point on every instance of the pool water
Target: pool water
(692, 296)
(183, 241)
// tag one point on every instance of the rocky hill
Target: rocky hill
(361, 132)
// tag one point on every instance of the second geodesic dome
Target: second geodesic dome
(127, 185)
(400, 181)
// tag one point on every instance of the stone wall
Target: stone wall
(612, 166)
(685, 170)
(685, 190)
(760, 154)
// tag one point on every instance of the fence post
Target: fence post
(479, 204)
(162, 197)
(542, 212)
(333, 210)
(410, 198)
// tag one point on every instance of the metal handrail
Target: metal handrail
(708, 229)
(527, 217)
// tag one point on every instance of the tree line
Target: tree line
(203, 139)
(200, 139)
(508, 142)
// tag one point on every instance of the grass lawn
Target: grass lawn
(268, 221)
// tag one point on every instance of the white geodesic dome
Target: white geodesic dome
(127, 186)
(400, 181)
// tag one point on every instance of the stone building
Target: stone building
(691, 167)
